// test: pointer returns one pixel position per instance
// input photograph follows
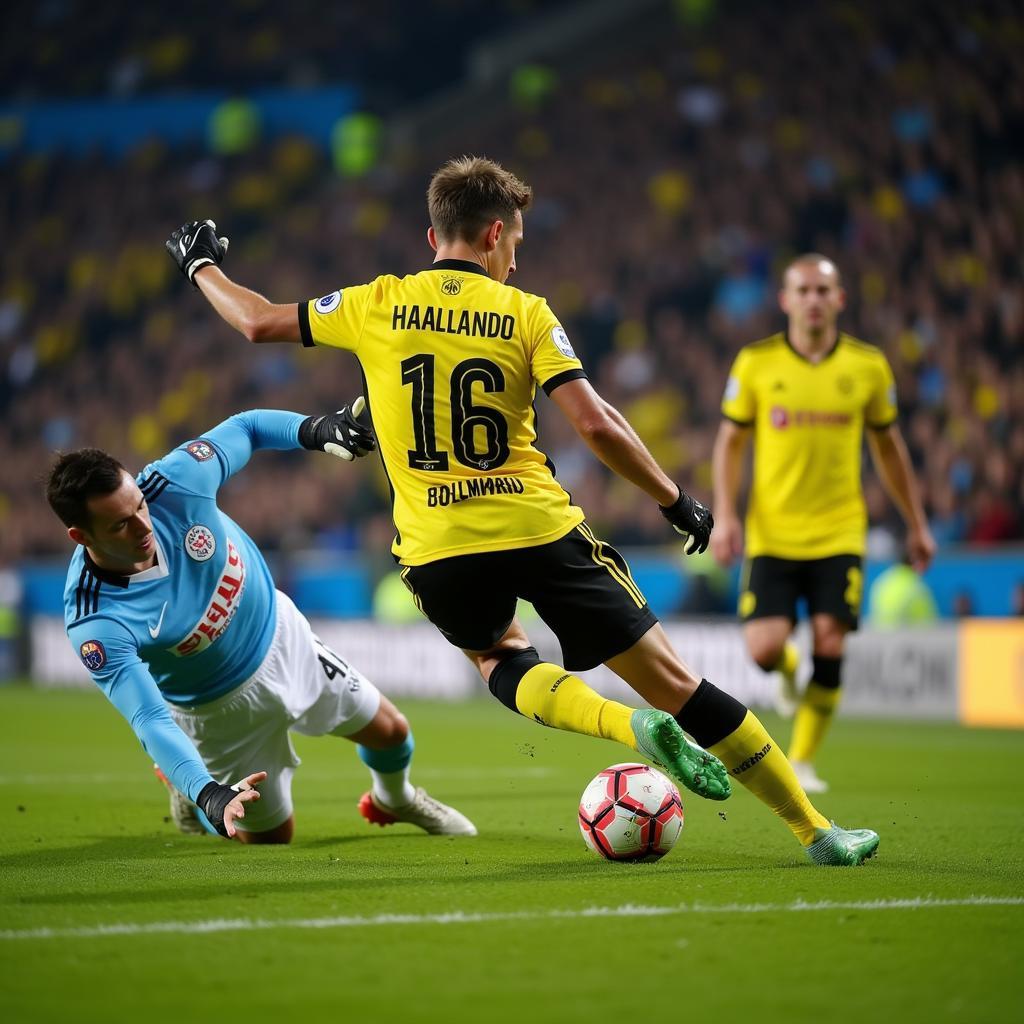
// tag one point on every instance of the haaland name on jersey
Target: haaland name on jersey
(471, 323)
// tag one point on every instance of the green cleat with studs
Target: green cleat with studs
(660, 739)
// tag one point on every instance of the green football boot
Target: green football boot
(659, 738)
(840, 847)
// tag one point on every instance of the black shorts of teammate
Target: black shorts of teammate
(580, 586)
(831, 586)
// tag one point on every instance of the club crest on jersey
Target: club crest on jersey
(200, 543)
(94, 657)
(201, 451)
(451, 285)
(561, 340)
(328, 303)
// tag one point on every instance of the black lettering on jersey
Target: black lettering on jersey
(443, 320)
(443, 495)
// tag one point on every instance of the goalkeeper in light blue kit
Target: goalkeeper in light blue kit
(172, 609)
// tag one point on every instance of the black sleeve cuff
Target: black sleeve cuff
(562, 378)
(739, 423)
(882, 426)
(304, 331)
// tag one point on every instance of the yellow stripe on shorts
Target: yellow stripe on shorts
(600, 558)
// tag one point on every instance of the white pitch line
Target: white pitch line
(345, 773)
(461, 917)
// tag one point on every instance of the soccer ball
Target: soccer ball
(630, 812)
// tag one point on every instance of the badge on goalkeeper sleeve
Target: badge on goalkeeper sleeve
(339, 433)
(196, 245)
(691, 520)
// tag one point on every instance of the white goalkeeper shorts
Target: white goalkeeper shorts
(301, 686)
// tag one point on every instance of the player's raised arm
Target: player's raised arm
(198, 252)
(610, 437)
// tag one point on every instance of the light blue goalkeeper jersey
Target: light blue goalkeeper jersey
(200, 621)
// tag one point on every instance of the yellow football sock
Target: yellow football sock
(789, 659)
(752, 757)
(552, 696)
(813, 717)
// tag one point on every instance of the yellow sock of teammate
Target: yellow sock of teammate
(754, 758)
(817, 706)
(789, 660)
(721, 724)
(553, 696)
(813, 717)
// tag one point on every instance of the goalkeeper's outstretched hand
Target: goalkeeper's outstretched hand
(196, 245)
(224, 805)
(692, 520)
(339, 433)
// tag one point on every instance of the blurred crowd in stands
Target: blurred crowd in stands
(672, 184)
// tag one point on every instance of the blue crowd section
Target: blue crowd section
(117, 125)
(963, 582)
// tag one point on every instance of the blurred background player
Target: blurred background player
(805, 395)
(452, 357)
(172, 609)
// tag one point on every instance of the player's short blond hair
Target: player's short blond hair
(470, 192)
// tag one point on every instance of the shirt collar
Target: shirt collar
(466, 266)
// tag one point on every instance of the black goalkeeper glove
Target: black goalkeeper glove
(196, 245)
(691, 519)
(212, 800)
(339, 433)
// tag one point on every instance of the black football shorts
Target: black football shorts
(831, 586)
(580, 586)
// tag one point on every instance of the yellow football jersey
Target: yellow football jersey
(452, 360)
(808, 419)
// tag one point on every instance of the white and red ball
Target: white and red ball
(630, 812)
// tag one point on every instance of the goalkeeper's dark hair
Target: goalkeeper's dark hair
(470, 192)
(75, 477)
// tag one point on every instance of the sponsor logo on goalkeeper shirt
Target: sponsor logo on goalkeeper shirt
(444, 495)
(220, 609)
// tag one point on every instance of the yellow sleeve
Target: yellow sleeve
(881, 411)
(552, 360)
(336, 319)
(739, 403)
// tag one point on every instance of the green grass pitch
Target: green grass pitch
(108, 914)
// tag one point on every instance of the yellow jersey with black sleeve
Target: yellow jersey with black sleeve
(808, 420)
(452, 360)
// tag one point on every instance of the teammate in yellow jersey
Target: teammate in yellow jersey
(806, 396)
(452, 358)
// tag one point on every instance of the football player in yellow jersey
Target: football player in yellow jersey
(805, 396)
(452, 357)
